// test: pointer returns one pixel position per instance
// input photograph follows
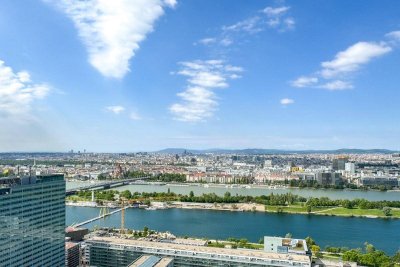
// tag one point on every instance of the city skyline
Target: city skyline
(267, 74)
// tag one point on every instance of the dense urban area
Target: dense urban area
(97, 177)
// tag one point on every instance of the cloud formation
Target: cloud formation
(115, 109)
(286, 101)
(199, 101)
(113, 30)
(18, 92)
(135, 116)
(336, 74)
(270, 17)
(351, 59)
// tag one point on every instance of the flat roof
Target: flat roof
(69, 245)
(201, 249)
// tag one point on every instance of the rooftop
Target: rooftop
(201, 249)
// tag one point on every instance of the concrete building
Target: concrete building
(116, 252)
(32, 221)
(350, 168)
(329, 178)
(339, 163)
(72, 254)
(281, 245)
(153, 261)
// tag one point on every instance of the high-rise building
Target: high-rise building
(32, 221)
(350, 168)
(338, 164)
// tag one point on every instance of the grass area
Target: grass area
(292, 209)
(340, 211)
(76, 198)
(336, 211)
(228, 244)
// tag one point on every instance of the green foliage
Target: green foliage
(126, 194)
(315, 250)
(310, 242)
(387, 211)
(371, 256)
(170, 177)
(99, 194)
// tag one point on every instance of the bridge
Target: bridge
(105, 185)
(99, 217)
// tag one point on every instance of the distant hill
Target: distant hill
(258, 151)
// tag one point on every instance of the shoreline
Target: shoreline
(233, 207)
(241, 186)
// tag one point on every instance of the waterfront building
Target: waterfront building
(114, 252)
(329, 178)
(285, 245)
(32, 221)
(377, 181)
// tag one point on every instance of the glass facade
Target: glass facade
(32, 221)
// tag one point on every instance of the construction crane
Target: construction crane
(123, 218)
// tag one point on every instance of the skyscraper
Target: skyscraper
(32, 221)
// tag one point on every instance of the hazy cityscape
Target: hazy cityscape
(178, 133)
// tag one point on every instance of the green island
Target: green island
(278, 203)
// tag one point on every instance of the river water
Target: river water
(256, 191)
(326, 230)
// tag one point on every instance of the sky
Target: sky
(143, 75)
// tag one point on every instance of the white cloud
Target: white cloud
(18, 92)
(276, 11)
(277, 18)
(250, 25)
(135, 116)
(207, 41)
(394, 35)
(171, 3)
(113, 30)
(353, 58)
(115, 109)
(304, 81)
(337, 85)
(286, 101)
(270, 17)
(335, 74)
(199, 101)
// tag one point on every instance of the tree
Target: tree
(309, 209)
(126, 194)
(310, 242)
(315, 250)
(369, 248)
(191, 194)
(352, 255)
(387, 211)
(396, 257)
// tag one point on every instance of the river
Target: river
(371, 195)
(326, 230)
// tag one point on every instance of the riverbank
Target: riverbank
(254, 207)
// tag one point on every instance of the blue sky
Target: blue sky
(131, 75)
